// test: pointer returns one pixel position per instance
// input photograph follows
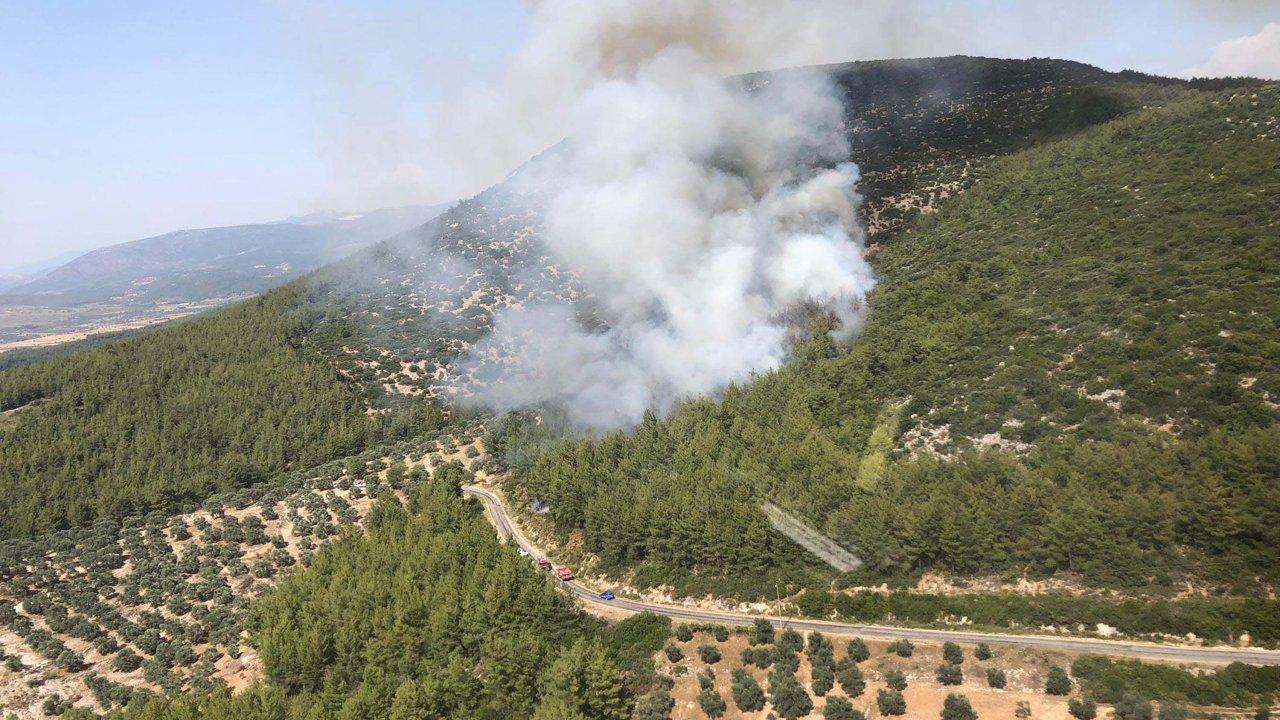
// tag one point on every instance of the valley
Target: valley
(160, 278)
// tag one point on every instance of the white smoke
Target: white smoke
(698, 213)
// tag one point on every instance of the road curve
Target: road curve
(507, 530)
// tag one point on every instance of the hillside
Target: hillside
(1059, 417)
(374, 338)
(189, 270)
(163, 420)
(918, 130)
(1069, 369)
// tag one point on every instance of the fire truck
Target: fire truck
(564, 573)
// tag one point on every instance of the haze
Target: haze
(129, 120)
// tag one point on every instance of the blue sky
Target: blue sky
(127, 119)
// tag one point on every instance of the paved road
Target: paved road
(1146, 651)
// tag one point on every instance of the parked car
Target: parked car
(544, 563)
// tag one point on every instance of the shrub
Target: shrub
(891, 702)
(902, 648)
(747, 693)
(657, 705)
(996, 678)
(952, 653)
(787, 696)
(684, 633)
(822, 679)
(758, 656)
(69, 660)
(55, 705)
(982, 652)
(711, 703)
(791, 640)
(1173, 711)
(1057, 683)
(838, 708)
(957, 707)
(850, 678)
(1082, 709)
(948, 674)
(896, 680)
(674, 654)
(1236, 685)
(762, 632)
(720, 632)
(1132, 707)
(786, 660)
(710, 654)
(706, 679)
(858, 651)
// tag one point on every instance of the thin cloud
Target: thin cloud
(1255, 55)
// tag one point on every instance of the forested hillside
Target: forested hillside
(164, 420)
(362, 348)
(175, 415)
(918, 130)
(1071, 368)
(429, 616)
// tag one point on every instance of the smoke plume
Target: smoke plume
(699, 213)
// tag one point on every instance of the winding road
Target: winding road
(507, 530)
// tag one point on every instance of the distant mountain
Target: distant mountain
(195, 265)
(174, 274)
(16, 275)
